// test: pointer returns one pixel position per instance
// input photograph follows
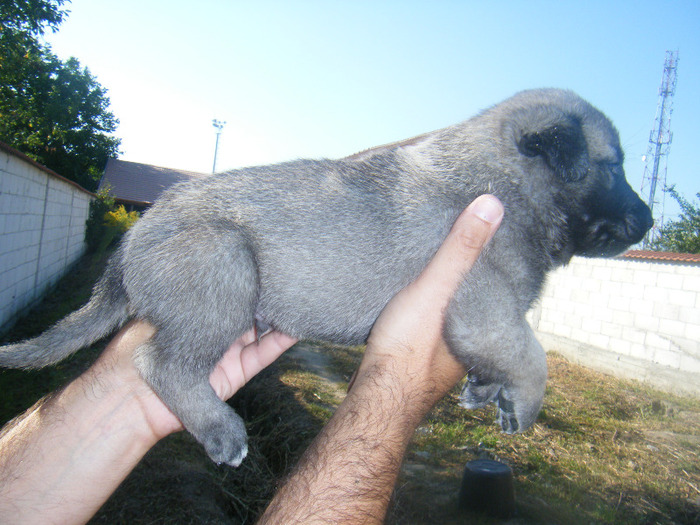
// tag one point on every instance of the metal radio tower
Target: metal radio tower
(659, 146)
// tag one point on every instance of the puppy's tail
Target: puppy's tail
(106, 310)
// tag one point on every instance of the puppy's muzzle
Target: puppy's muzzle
(637, 223)
(609, 234)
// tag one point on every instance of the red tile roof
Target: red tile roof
(662, 256)
(142, 184)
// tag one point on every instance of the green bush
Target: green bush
(106, 223)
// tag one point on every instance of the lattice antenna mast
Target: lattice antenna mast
(655, 161)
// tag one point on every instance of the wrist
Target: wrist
(419, 378)
(111, 404)
(351, 468)
(116, 380)
(397, 395)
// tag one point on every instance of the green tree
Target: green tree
(683, 234)
(53, 111)
(31, 16)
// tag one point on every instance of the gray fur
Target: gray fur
(316, 248)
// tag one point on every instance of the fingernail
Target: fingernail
(488, 209)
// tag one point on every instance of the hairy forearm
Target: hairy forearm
(348, 473)
(60, 461)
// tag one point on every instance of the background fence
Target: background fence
(42, 229)
(633, 318)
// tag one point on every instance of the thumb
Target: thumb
(472, 230)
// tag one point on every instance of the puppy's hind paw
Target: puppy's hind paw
(477, 393)
(226, 443)
(238, 458)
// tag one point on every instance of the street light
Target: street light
(219, 125)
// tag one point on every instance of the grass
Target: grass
(602, 451)
(71, 292)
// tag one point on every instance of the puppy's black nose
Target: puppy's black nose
(643, 211)
(638, 221)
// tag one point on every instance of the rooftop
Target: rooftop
(141, 184)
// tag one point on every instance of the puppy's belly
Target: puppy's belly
(334, 290)
(333, 313)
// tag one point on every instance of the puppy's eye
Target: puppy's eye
(616, 170)
(611, 173)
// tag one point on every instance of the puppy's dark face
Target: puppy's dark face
(581, 149)
(613, 217)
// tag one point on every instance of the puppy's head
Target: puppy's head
(576, 150)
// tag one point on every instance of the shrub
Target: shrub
(106, 223)
(120, 219)
(95, 228)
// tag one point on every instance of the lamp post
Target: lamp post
(219, 125)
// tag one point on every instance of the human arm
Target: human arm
(62, 459)
(348, 473)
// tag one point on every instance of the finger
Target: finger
(472, 230)
(247, 338)
(261, 354)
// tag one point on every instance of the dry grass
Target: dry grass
(602, 451)
(178, 483)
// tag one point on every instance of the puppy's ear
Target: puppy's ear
(562, 146)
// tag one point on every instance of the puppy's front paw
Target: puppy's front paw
(477, 393)
(516, 413)
(507, 417)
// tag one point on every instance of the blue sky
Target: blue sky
(329, 78)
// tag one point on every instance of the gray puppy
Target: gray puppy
(316, 248)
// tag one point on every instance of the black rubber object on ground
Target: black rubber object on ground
(487, 486)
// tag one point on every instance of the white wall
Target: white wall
(42, 228)
(633, 318)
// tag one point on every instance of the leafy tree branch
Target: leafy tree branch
(55, 112)
(683, 234)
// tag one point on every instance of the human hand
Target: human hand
(62, 458)
(242, 361)
(408, 337)
(348, 473)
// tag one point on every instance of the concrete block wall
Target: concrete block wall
(42, 229)
(633, 318)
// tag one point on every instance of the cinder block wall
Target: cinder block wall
(42, 229)
(634, 318)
